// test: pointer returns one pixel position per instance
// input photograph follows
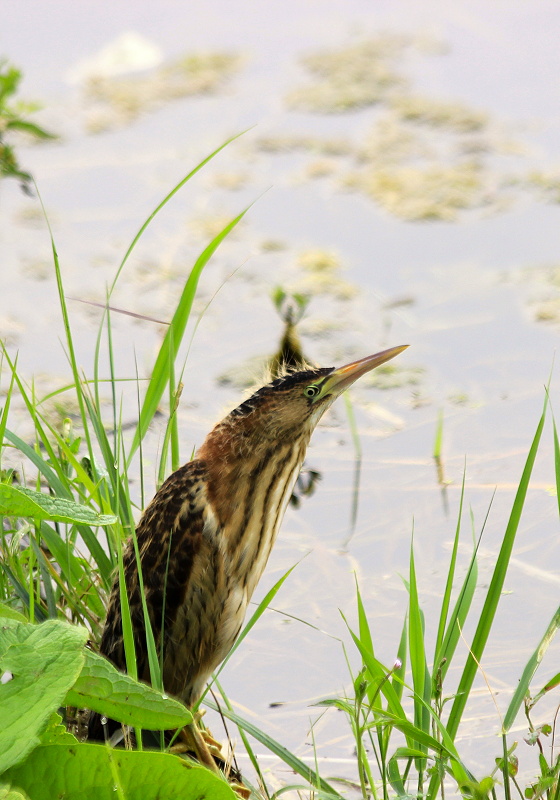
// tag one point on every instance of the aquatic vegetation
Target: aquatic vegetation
(545, 184)
(14, 122)
(119, 100)
(396, 377)
(543, 296)
(423, 158)
(352, 77)
(321, 275)
(433, 192)
(452, 116)
(293, 143)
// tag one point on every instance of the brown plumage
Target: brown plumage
(206, 536)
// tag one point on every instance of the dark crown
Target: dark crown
(280, 385)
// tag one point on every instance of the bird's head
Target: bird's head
(291, 406)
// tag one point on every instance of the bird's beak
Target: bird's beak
(341, 378)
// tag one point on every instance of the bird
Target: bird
(205, 538)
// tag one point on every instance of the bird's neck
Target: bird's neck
(249, 490)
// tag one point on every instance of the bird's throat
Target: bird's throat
(249, 495)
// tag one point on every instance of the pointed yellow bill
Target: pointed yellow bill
(341, 378)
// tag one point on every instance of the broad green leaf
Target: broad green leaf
(104, 689)
(56, 733)
(43, 662)
(10, 613)
(7, 793)
(87, 771)
(19, 501)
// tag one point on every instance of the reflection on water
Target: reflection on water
(414, 213)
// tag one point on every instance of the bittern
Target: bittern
(205, 538)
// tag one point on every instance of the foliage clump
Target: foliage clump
(14, 120)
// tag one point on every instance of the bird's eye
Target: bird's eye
(311, 391)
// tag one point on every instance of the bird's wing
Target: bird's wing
(169, 536)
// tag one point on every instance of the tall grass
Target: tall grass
(51, 568)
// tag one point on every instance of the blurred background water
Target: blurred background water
(402, 163)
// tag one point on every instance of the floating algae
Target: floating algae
(119, 100)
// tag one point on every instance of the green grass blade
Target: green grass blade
(46, 583)
(68, 331)
(23, 594)
(378, 673)
(457, 619)
(438, 441)
(57, 480)
(444, 748)
(244, 738)
(156, 675)
(282, 752)
(461, 609)
(495, 588)
(364, 633)
(416, 634)
(459, 770)
(529, 671)
(164, 202)
(420, 677)
(400, 671)
(363, 624)
(172, 425)
(119, 498)
(175, 332)
(357, 468)
(45, 469)
(556, 462)
(446, 601)
(7, 400)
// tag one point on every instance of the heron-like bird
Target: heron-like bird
(205, 538)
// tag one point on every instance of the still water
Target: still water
(401, 161)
